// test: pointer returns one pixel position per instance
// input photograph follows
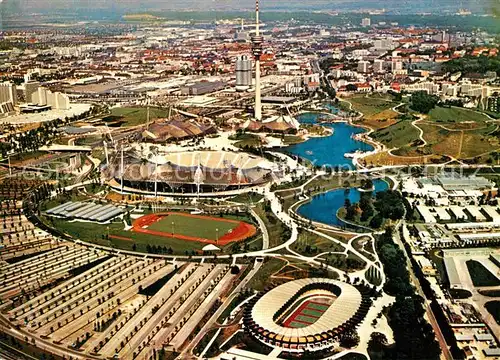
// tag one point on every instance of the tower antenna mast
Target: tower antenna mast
(257, 40)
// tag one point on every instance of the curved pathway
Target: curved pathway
(420, 131)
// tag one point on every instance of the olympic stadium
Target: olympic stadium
(197, 172)
(306, 314)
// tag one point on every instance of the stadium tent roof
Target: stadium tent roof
(343, 309)
(210, 247)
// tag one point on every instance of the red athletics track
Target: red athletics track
(241, 232)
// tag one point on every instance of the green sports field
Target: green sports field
(193, 226)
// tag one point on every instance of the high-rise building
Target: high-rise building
(243, 69)
(257, 41)
(366, 22)
(42, 96)
(363, 66)
(8, 93)
(6, 108)
(378, 65)
(57, 100)
(383, 44)
(241, 35)
(31, 91)
(396, 64)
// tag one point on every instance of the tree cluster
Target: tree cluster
(414, 337)
(423, 102)
(390, 204)
(156, 249)
(473, 64)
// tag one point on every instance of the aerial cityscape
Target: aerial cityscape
(245, 180)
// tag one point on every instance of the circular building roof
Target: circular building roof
(269, 312)
(213, 160)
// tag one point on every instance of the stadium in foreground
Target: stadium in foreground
(305, 314)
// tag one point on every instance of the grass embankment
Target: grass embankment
(134, 116)
(400, 134)
(456, 115)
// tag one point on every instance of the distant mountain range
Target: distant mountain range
(10, 7)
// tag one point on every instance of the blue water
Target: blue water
(329, 150)
(323, 207)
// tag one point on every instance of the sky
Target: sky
(404, 6)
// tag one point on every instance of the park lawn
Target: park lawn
(247, 198)
(292, 140)
(133, 116)
(475, 143)
(442, 141)
(397, 135)
(310, 244)
(246, 140)
(493, 308)
(348, 263)
(88, 140)
(456, 115)
(274, 226)
(384, 158)
(205, 228)
(480, 275)
(97, 233)
(341, 236)
(372, 105)
(380, 120)
(262, 278)
(462, 144)
(20, 158)
(324, 183)
(367, 250)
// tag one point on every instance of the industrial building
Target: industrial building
(202, 88)
(243, 69)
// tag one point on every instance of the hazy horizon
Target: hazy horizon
(11, 7)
